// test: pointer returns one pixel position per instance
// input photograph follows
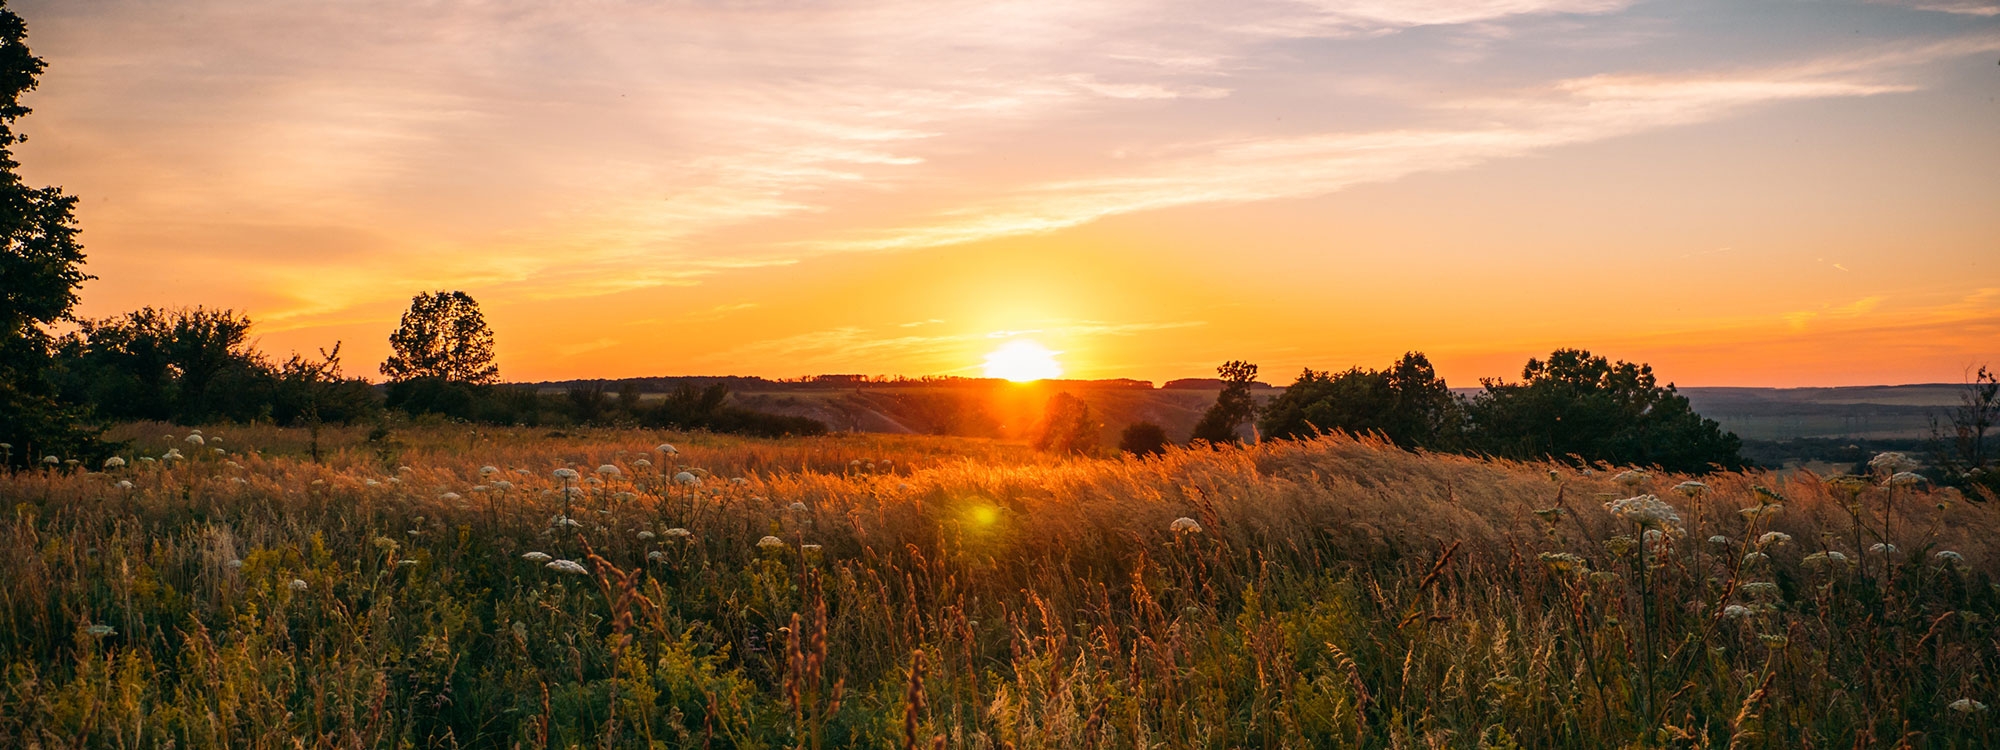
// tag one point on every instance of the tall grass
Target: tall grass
(1339, 593)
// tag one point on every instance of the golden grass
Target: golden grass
(966, 594)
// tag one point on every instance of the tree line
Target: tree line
(1572, 406)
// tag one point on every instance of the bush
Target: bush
(1407, 403)
(1575, 404)
(1143, 439)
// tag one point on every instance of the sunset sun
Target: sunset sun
(1022, 361)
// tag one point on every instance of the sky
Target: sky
(1783, 193)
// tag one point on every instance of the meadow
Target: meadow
(450, 586)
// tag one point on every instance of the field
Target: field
(905, 591)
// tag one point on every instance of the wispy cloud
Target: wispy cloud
(1572, 111)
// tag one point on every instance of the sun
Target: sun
(1022, 361)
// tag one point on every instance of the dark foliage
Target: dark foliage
(195, 366)
(443, 336)
(691, 408)
(1960, 446)
(1143, 439)
(1407, 403)
(41, 268)
(1067, 426)
(1233, 406)
(1578, 405)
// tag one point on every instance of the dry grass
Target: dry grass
(967, 594)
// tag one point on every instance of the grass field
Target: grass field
(885, 591)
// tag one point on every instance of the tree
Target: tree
(1407, 403)
(41, 268)
(1067, 426)
(1579, 405)
(190, 365)
(1961, 450)
(1233, 406)
(1143, 439)
(444, 337)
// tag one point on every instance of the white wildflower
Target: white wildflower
(125, 484)
(1948, 556)
(195, 439)
(100, 631)
(297, 585)
(641, 463)
(1967, 706)
(524, 472)
(234, 564)
(809, 548)
(1883, 548)
(1184, 525)
(114, 462)
(1759, 589)
(51, 460)
(668, 449)
(1632, 477)
(145, 459)
(503, 484)
(1892, 462)
(566, 473)
(406, 562)
(800, 508)
(1718, 539)
(371, 483)
(535, 556)
(567, 566)
(738, 481)
(487, 471)
(770, 543)
(687, 478)
(646, 535)
(1691, 488)
(1905, 479)
(1756, 558)
(1737, 611)
(678, 533)
(656, 555)
(609, 470)
(1562, 560)
(1772, 538)
(1646, 510)
(449, 496)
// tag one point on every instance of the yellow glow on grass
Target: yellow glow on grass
(1022, 361)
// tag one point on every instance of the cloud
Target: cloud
(1957, 7)
(1570, 111)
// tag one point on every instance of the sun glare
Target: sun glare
(1022, 361)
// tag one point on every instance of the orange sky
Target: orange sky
(1739, 194)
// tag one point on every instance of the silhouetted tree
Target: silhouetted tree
(1067, 426)
(1407, 403)
(1575, 404)
(41, 267)
(444, 337)
(188, 365)
(1961, 447)
(1143, 439)
(1233, 406)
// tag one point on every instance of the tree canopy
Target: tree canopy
(443, 336)
(1576, 404)
(1233, 406)
(1407, 403)
(41, 268)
